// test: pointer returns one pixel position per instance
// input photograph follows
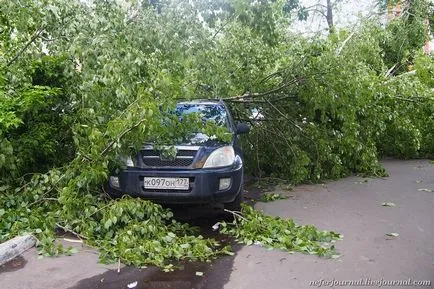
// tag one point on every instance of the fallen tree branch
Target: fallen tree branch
(121, 135)
(43, 199)
(339, 49)
(413, 99)
(284, 116)
(47, 192)
(390, 79)
(220, 28)
(73, 240)
(15, 247)
(261, 101)
(235, 213)
(317, 10)
(407, 73)
(34, 37)
(389, 72)
(315, 5)
(70, 231)
(253, 120)
(288, 142)
(260, 94)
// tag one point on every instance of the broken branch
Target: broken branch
(34, 37)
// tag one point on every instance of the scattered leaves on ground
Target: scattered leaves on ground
(270, 197)
(394, 235)
(388, 204)
(254, 227)
(426, 190)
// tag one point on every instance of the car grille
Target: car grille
(184, 158)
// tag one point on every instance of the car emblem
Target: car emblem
(169, 154)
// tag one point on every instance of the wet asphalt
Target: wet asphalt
(351, 206)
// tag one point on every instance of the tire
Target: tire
(235, 205)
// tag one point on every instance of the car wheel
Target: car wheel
(236, 204)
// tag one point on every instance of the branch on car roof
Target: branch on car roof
(260, 94)
(253, 120)
(261, 101)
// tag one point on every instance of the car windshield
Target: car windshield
(207, 112)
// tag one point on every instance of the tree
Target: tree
(107, 70)
(325, 9)
(407, 32)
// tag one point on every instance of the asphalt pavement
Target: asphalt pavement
(369, 257)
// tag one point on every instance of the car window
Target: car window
(207, 112)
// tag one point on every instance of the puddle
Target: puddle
(13, 265)
(215, 274)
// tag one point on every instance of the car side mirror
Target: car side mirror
(242, 128)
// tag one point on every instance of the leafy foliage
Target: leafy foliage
(339, 110)
(39, 135)
(406, 34)
(135, 231)
(270, 197)
(253, 227)
(84, 84)
(139, 232)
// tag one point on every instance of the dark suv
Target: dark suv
(203, 171)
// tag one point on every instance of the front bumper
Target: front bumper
(203, 185)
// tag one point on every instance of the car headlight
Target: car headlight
(128, 161)
(221, 157)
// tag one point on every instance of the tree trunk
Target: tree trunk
(329, 17)
(14, 247)
(427, 48)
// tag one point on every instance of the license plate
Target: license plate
(166, 183)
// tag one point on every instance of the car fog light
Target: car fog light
(224, 184)
(114, 182)
(129, 162)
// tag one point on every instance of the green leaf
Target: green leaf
(107, 224)
(253, 227)
(70, 251)
(269, 197)
(388, 204)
